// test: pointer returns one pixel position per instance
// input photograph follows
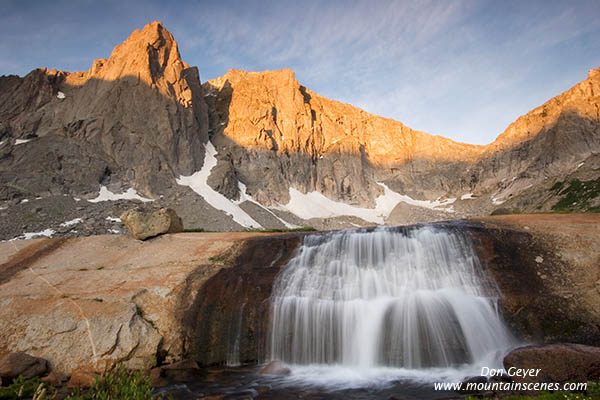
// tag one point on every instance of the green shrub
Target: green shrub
(119, 384)
(22, 388)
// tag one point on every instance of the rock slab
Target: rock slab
(556, 362)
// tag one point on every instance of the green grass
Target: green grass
(194, 230)
(576, 195)
(22, 388)
(121, 383)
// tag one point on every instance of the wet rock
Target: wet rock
(472, 381)
(179, 391)
(555, 363)
(276, 367)
(182, 371)
(247, 394)
(501, 378)
(22, 364)
(146, 224)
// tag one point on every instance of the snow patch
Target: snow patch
(107, 195)
(76, 199)
(30, 235)
(316, 205)
(24, 201)
(114, 231)
(578, 165)
(467, 196)
(497, 201)
(1, 142)
(113, 219)
(72, 222)
(244, 196)
(198, 182)
(60, 95)
(22, 141)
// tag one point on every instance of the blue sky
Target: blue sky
(460, 69)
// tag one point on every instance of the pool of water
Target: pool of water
(313, 382)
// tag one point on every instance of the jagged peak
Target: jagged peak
(146, 53)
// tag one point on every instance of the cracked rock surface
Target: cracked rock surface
(90, 303)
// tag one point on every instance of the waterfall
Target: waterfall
(409, 298)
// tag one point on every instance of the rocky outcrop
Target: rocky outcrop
(92, 303)
(263, 123)
(147, 224)
(555, 363)
(228, 321)
(136, 119)
(276, 134)
(141, 119)
(547, 267)
(550, 143)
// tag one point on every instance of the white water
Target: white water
(387, 302)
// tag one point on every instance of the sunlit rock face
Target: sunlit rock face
(137, 117)
(141, 120)
(275, 133)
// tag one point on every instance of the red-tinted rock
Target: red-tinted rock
(555, 362)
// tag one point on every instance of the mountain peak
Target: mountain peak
(149, 54)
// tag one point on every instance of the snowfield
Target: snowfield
(198, 182)
(107, 195)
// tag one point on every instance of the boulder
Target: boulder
(22, 364)
(555, 363)
(275, 367)
(146, 224)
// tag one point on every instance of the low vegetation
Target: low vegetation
(119, 384)
(22, 388)
(576, 195)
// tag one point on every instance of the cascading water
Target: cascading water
(411, 299)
